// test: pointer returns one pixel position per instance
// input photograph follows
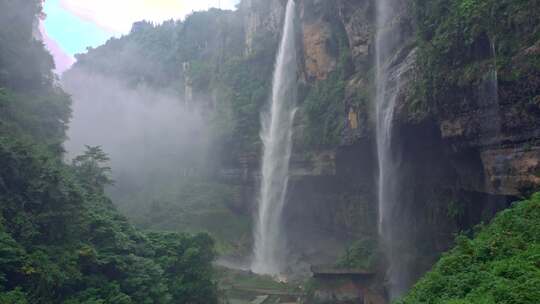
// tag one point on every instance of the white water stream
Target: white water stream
(277, 123)
(388, 86)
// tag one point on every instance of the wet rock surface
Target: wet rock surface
(462, 158)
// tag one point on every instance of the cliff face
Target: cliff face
(331, 201)
(466, 128)
(259, 18)
(464, 155)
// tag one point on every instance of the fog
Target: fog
(151, 136)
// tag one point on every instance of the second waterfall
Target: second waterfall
(277, 124)
(391, 230)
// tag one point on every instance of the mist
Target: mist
(150, 135)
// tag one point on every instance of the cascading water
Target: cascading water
(488, 99)
(388, 86)
(276, 134)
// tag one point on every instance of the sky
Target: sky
(72, 26)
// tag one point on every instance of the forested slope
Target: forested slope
(61, 239)
(501, 264)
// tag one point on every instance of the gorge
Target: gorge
(402, 136)
(360, 151)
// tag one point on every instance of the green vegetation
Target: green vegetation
(462, 40)
(245, 84)
(499, 265)
(205, 51)
(324, 105)
(30, 104)
(359, 255)
(34, 113)
(324, 108)
(455, 209)
(61, 239)
(223, 73)
(195, 206)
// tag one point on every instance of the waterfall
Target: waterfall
(388, 86)
(276, 134)
(488, 98)
(487, 101)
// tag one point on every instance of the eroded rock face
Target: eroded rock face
(261, 16)
(499, 120)
(358, 18)
(319, 163)
(511, 171)
(318, 20)
(503, 132)
(359, 125)
(509, 159)
(318, 61)
(463, 158)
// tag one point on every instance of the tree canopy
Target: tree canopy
(61, 239)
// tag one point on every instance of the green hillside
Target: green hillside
(501, 264)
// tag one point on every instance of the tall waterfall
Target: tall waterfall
(388, 85)
(488, 99)
(277, 124)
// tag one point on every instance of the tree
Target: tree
(92, 170)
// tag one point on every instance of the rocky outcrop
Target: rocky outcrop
(330, 201)
(511, 171)
(318, 62)
(505, 133)
(318, 22)
(260, 17)
(358, 18)
(462, 158)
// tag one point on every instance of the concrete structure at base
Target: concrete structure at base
(343, 286)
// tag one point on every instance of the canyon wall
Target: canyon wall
(467, 123)
(462, 157)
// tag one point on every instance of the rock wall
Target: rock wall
(463, 158)
(331, 200)
(260, 17)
